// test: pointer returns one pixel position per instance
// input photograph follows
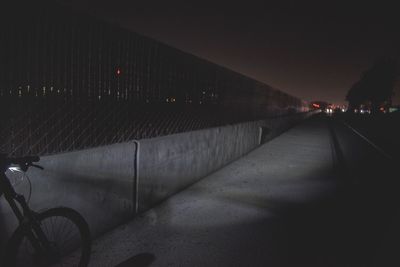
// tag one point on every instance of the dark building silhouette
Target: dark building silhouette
(70, 81)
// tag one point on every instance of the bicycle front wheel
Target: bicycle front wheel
(67, 241)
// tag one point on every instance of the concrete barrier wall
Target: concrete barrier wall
(100, 182)
(171, 163)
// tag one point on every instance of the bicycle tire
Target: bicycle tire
(19, 237)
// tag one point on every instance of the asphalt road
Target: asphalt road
(382, 129)
(318, 195)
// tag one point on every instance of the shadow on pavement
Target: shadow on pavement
(139, 260)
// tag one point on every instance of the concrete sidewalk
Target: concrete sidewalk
(246, 214)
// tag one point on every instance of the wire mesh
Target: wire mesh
(69, 81)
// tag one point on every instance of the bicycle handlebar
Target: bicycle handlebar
(23, 162)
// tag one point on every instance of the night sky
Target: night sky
(313, 50)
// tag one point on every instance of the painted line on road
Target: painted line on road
(380, 150)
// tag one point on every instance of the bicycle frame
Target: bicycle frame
(45, 251)
(11, 196)
(26, 217)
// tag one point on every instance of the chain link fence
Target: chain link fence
(47, 128)
(69, 81)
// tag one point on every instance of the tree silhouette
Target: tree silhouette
(376, 85)
(379, 82)
(356, 96)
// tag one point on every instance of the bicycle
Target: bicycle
(54, 237)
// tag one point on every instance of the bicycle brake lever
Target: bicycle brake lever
(37, 166)
(24, 167)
